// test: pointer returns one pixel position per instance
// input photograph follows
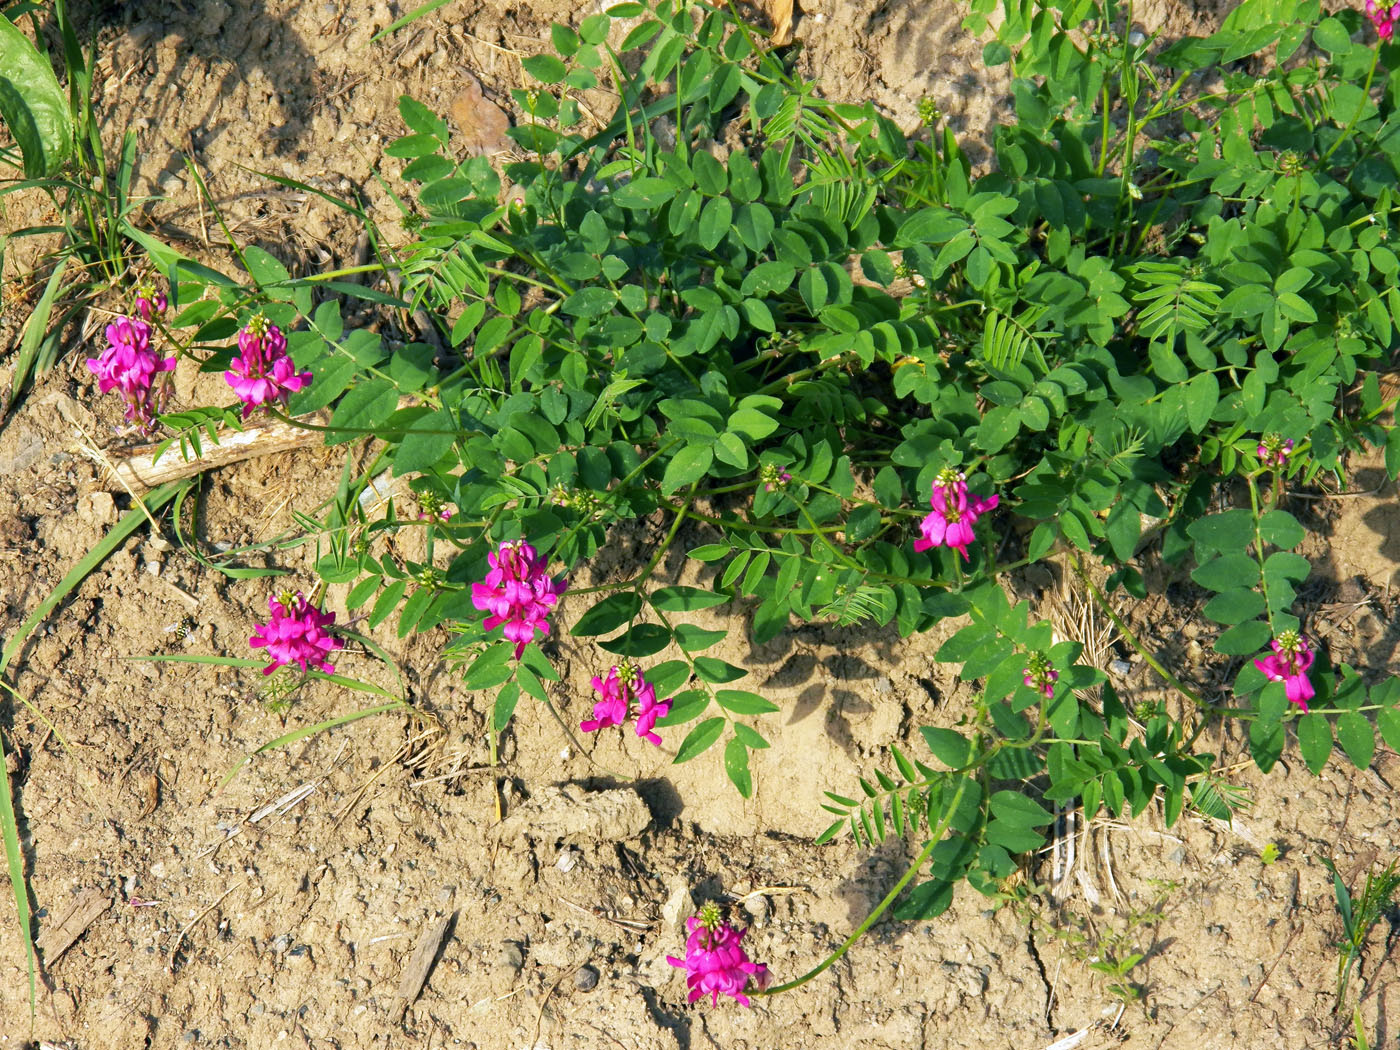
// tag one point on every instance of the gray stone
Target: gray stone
(586, 979)
(510, 956)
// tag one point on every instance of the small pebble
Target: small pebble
(1136, 36)
(511, 956)
(1120, 667)
(586, 979)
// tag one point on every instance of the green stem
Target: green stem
(1259, 553)
(934, 839)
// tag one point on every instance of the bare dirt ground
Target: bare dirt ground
(202, 926)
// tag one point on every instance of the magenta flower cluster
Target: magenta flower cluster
(518, 592)
(954, 513)
(296, 634)
(617, 692)
(263, 373)
(1289, 663)
(130, 366)
(715, 962)
(1384, 16)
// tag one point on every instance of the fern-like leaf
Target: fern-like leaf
(865, 602)
(1171, 299)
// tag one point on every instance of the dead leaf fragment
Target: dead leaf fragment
(481, 123)
(780, 14)
(151, 790)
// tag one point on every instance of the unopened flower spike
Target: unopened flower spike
(954, 512)
(263, 373)
(149, 302)
(773, 477)
(715, 962)
(1040, 675)
(1274, 450)
(296, 634)
(517, 592)
(1289, 663)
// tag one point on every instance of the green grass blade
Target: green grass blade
(244, 661)
(31, 344)
(412, 16)
(306, 731)
(14, 861)
(9, 828)
(128, 524)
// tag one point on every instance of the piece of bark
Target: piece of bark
(140, 469)
(57, 937)
(419, 965)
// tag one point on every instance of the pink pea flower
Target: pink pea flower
(263, 373)
(715, 961)
(1384, 16)
(518, 592)
(1289, 663)
(1274, 450)
(616, 693)
(296, 634)
(130, 366)
(954, 513)
(1040, 675)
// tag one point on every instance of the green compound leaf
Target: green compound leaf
(718, 672)
(948, 746)
(491, 668)
(699, 739)
(1315, 740)
(608, 614)
(32, 104)
(645, 639)
(1281, 529)
(926, 901)
(1236, 606)
(736, 766)
(1357, 738)
(1244, 639)
(744, 703)
(506, 700)
(687, 467)
(697, 639)
(1231, 531)
(545, 68)
(1227, 572)
(685, 599)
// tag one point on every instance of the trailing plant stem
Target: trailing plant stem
(935, 837)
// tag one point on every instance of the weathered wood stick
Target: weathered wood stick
(58, 936)
(139, 468)
(419, 966)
